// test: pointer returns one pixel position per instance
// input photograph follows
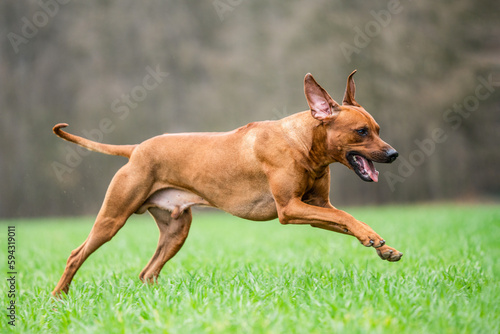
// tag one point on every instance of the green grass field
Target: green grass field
(236, 276)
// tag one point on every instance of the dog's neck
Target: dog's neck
(308, 136)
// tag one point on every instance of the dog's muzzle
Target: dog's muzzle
(364, 166)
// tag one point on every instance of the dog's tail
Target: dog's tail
(123, 150)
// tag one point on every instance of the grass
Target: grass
(235, 276)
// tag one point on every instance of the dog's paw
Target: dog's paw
(372, 241)
(388, 253)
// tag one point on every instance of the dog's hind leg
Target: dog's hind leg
(173, 233)
(126, 192)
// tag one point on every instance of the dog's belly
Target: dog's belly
(259, 208)
(178, 200)
(173, 200)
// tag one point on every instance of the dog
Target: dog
(261, 171)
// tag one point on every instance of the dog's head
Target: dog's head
(352, 133)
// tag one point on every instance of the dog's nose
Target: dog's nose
(392, 154)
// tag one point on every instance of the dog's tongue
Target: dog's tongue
(369, 168)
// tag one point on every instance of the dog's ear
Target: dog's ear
(322, 106)
(350, 91)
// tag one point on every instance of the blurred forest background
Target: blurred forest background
(124, 71)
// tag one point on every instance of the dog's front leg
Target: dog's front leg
(297, 212)
(289, 188)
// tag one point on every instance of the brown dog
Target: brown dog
(260, 171)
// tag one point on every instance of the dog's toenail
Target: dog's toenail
(346, 230)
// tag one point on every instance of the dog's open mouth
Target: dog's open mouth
(363, 167)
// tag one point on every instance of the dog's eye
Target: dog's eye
(362, 132)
